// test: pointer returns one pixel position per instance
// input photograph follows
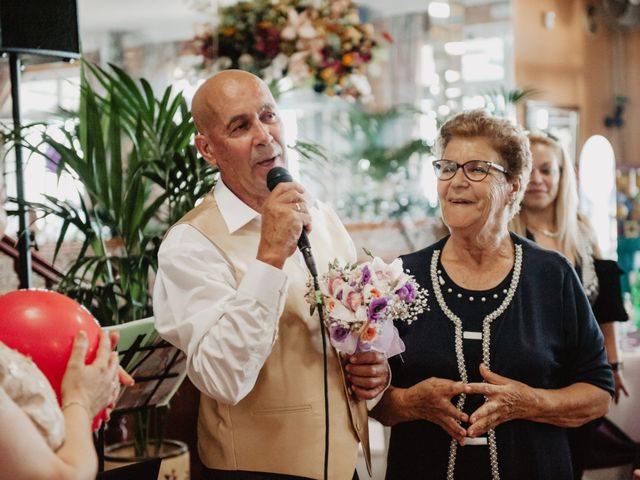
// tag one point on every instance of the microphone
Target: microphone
(276, 176)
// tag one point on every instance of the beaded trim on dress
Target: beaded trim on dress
(588, 271)
(486, 339)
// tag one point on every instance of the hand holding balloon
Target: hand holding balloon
(92, 386)
(42, 325)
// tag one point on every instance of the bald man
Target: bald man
(230, 293)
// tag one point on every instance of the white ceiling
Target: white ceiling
(169, 17)
(153, 20)
(96, 15)
(170, 20)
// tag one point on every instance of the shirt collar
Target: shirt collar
(235, 212)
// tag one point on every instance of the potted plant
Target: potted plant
(131, 153)
(139, 172)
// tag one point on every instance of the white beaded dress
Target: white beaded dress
(26, 385)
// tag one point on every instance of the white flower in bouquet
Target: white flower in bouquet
(361, 301)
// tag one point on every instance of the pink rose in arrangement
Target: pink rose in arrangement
(361, 301)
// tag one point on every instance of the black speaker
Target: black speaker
(41, 27)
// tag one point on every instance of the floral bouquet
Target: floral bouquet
(361, 301)
(322, 43)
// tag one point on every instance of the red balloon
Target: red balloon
(42, 324)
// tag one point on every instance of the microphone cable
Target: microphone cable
(275, 176)
(319, 305)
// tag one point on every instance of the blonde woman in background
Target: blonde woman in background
(549, 216)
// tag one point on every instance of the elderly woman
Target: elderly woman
(510, 354)
(549, 216)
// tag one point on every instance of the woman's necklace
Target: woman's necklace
(545, 232)
(486, 338)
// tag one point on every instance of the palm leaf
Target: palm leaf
(140, 173)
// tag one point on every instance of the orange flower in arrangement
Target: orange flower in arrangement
(324, 46)
(374, 293)
(328, 75)
(369, 333)
(330, 304)
(228, 31)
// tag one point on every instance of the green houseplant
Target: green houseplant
(132, 153)
(503, 101)
(379, 148)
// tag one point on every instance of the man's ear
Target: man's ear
(205, 147)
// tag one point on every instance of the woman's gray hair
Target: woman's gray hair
(507, 139)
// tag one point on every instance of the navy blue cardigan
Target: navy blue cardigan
(547, 338)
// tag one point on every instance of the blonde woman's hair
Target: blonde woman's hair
(509, 140)
(572, 229)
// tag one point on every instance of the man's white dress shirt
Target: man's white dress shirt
(226, 329)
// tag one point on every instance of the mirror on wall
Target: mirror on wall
(597, 182)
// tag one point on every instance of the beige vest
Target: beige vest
(279, 426)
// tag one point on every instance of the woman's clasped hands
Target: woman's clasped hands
(506, 399)
(431, 400)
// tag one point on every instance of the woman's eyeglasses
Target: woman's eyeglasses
(474, 170)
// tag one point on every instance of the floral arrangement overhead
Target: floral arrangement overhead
(361, 301)
(321, 43)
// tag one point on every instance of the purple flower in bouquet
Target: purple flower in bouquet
(377, 308)
(362, 301)
(338, 332)
(342, 338)
(407, 293)
(366, 275)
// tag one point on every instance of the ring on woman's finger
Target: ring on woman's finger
(298, 207)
